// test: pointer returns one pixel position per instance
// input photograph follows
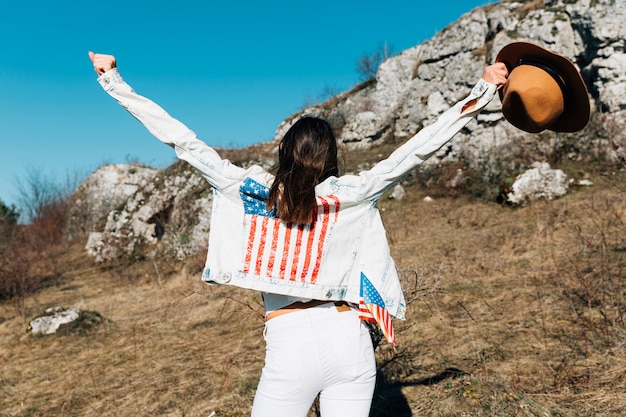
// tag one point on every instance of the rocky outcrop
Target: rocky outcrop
(108, 188)
(173, 209)
(413, 88)
(122, 208)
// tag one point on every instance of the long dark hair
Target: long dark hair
(307, 155)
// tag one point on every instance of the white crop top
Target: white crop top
(274, 302)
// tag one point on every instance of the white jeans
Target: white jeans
(318, 350)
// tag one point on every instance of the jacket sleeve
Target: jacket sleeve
(370, 185)
(220, 173)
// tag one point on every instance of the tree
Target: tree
(367, 65)
(8, 215)
(30, 251)
(8, 220)
(38, 193)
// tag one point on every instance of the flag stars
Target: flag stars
(254, 196)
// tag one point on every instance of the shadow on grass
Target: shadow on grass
(389, 401)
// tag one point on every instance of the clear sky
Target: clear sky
(230, 70)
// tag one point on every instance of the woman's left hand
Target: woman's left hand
(102, 63)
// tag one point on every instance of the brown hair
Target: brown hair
(307, 155)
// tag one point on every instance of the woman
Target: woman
(311, 241)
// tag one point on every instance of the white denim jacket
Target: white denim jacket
(250, 248)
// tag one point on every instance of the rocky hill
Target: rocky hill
(124, 209)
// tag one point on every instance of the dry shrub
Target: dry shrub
(33, 254)
(592, 273)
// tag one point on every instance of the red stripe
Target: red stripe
(337, 204)
(246, 263)
(367, 316)
(259, 259)
(296, 254)
(384, 321)
(270, 262)
(283, 263)
(364, 312)
(309, 247)
(320, 242)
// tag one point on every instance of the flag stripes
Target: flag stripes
(286, 251)
(364, 312)
(372, 308)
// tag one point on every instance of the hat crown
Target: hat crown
(532, 99)
(563, 106)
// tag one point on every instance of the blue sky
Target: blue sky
(231, 71)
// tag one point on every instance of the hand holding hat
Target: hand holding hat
(496, 73)
(544, 90)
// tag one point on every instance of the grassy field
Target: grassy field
(512, 312)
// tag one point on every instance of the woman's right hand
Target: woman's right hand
(496, 73)
(102, 63)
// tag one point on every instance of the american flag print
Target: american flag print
(281, 250)
(372, 308)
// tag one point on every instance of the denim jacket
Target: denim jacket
(250, 247)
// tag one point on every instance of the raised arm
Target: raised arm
(495, 74)
(220, 173)
(374, 182)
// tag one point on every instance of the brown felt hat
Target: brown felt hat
(544, 90)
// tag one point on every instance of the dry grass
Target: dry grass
(174, 348)
(516, 312)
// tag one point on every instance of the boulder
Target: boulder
(538, 182)
(52, 319)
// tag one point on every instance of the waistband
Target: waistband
(339, 305)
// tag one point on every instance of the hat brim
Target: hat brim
(577, 108)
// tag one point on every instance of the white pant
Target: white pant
(318, 350)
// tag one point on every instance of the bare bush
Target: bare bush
(367, 65)
(31, 254)
(37, 191)
(593, 277)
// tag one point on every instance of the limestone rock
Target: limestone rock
(53, 318)
(539, 182)
(397, 193)
(174, 209)
(109, 187)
